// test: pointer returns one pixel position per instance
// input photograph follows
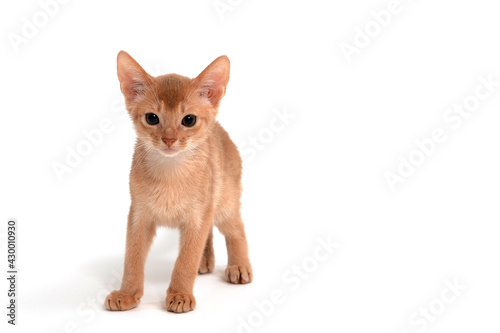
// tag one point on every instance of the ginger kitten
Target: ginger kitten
(186, 173)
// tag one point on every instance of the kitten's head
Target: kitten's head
(172, 113)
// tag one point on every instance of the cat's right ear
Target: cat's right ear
(134, 80)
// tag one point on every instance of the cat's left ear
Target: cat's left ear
(211, 83)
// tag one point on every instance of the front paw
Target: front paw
(239, 274)
(179, 302)
(118, 301)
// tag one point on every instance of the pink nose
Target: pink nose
(169, 141)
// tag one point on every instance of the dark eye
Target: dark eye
(189, 120)
(152, 119)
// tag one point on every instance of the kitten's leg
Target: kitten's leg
(140, 234)
(239, 269)
(193, 239)
(207, 262)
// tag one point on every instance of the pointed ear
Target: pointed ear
(134, 80)
(211, 83)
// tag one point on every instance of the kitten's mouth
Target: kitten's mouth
(169, 151)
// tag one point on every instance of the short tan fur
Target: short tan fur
(185, 176)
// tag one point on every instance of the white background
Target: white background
(322, 175)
